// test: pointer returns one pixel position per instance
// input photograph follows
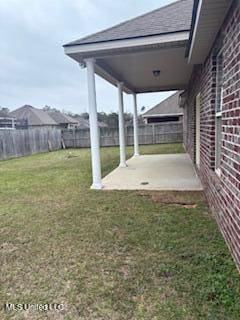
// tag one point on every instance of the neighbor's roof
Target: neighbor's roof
(174, 17)
(61, 118)
(35, 117)
(84, 123)
(169, 106)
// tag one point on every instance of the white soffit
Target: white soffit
(209, 17)
(132, 61)
(135, 69)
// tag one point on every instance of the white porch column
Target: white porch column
(121, 127)
(94, 133)
(135, 125)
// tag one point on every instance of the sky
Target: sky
(33, 67)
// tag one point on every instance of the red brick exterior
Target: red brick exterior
(223, 193)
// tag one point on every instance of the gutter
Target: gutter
(194, 16)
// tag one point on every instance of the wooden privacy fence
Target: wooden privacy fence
(17, 143)
(148, 134)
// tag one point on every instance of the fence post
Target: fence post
(153, 134)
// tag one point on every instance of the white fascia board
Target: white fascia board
(162, 115)
(127, 43)
(195, 30)
(203, 34)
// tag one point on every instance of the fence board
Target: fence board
(148, 134)
(17, 143)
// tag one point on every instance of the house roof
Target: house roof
(34, 116)
(169, 106)
(61, 118)
(174, 17)
(84, 123)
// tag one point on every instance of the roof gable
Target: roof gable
(169, 106)
(174, 17)
(35, 117)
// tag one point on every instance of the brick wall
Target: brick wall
(223, 193)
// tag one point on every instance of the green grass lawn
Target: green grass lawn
(108, 255)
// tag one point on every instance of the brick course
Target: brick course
(223, 193)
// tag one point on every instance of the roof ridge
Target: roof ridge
(126, 21)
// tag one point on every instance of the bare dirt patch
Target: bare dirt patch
(186, 199)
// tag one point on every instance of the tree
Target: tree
(111, 119)
(48, 108)
(85, 115)
(4, 112)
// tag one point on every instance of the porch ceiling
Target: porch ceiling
(134, 65)
(136, 69)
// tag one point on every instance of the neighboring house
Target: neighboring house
(84, 123)
(166, 111)
(187, 45)
(140, 120)
(36, 118)
(64, 121)
(7, 123)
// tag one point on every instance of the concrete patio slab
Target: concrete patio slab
(155, 172)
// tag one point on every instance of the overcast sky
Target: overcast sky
(33, 67)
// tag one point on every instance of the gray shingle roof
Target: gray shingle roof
(169, 106)
(174, 17)
(84, 123)
(35, 117)
(61, 118)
